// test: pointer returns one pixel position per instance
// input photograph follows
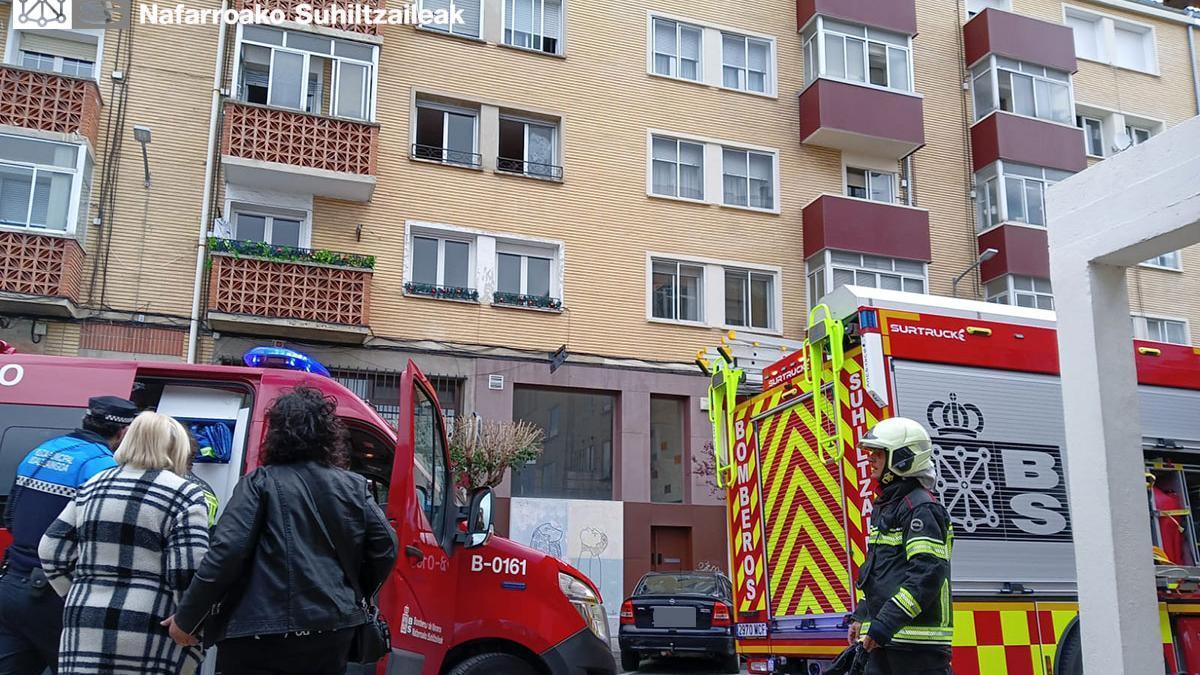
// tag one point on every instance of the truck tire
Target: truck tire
(493, 663)
(730, 663)
(630, 661)
(1068, 658)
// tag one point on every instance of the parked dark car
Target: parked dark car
(678, 613)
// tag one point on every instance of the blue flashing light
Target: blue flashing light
(286, 359)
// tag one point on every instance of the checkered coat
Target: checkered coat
(121, 554)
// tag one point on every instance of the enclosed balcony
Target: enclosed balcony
(46, 101)
(867, 120)
(1027, 140)
(265, 289)
(318, 8)
(1019, 37)
(39, 273)
(1022, 251)
(894, 15)
(864, 226)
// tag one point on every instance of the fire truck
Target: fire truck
(983, 379)
(459, 600)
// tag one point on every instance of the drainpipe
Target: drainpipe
(911, 183)
(1192, 54)
(209, 179)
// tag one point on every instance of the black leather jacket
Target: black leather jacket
(272, 569)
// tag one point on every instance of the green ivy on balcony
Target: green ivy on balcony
(261, 249)
(522, 300)
(441, 292)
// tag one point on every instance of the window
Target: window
(472, 12)
(430, 476)
(855, 53)
(533, 24)
(1093, 134)
(441, 262)
(523, 274)
(677, 49)
(1169, 261)
(308, 72)
(1000, 83)
(43, 184)
(677, 291)
(829, 270)
(976, 6)
(1137, 135)
(749, 178)
(879, 186)
(67, 53)
(1008, 192)
(1108, 39)
(666, 450)
(278, 230)
(678, 168)
(745, 63)
(447, 134)
(1173, 331)
(749, 297)
(528, 148)
(576, 460)
(1022, 291)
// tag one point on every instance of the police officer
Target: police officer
(30, 612)
(904, 620)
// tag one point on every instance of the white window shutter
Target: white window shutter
(553, 19)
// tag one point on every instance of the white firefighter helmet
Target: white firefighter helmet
(909, 450)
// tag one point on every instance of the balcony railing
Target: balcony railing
(283, 282)
(441, 292)
(39, 264)
(522, 300)
(33, 99)
(434, 153)
(524, 168)
(268, 134)
(319, 7)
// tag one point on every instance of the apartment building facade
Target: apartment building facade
(624, 185)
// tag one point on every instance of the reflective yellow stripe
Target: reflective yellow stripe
(924, 635)
(907, 602)
(932, 547)
(887, 538)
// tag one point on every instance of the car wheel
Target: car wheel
(730, 663)
(489, 664)
(630, 661)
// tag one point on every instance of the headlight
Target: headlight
(586, 603)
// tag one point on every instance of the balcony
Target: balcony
(276, 149)
(894, 15)
(863, 119)
(278, 290)
(863, 226)
(993, 31)
(318, 8)
(39, 273)
(33, 99)
(1027, 140)
(1023, 250)
(508, 299)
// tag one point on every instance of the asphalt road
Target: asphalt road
(677, 666)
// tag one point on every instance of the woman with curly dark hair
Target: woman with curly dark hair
(273, 591)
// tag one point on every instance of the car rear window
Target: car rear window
(680, 584)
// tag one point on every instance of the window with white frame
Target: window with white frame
(44, 185)
(677, 168)
(746, 63)
(749, 178)
(442, 260)
(1169, 260)
(829, 270)
(1022, 291)
(1159, 329)
(677, 49)
(525, 270)
(534, 24)
(1000, 83)
(845, 51)
(1093, 134)
(308, 72)
(1108, 39)
(1010, 192)
(878, 186)
(447, 133)
(273, 226)
(472, 15)
(677, 290)
(1136, 135)
(749, 297)
(65, 52)
(976, 6)
(528, 147)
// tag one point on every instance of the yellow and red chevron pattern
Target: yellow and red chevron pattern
(1008, 638)
(858, 413)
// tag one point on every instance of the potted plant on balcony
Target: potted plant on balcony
(483, 450)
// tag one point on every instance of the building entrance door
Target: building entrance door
(670, 549)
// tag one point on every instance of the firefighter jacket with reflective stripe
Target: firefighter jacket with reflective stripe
(906, 576)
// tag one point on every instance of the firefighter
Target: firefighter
(904, 620)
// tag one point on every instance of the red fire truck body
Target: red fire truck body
(447, 602)
(983, 379)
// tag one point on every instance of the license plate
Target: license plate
(752, 630)
(674, 617)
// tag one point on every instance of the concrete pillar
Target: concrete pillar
(489, 135)
(632, 471)
(1109, 510)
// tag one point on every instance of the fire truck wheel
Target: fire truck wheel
(630, 661)
(490, 664)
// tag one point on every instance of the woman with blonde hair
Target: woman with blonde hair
(123, 551)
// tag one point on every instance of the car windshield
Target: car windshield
(679, 584)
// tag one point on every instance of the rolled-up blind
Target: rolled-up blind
(57, 46)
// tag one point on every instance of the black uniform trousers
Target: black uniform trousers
(900, 661)
(312, 654)
(30, 626)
